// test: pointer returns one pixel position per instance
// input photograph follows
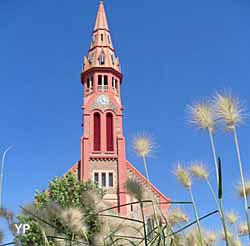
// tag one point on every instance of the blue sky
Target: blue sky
(172, 53)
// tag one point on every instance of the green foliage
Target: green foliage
(33, 236)
(66, 191)
(62, 194)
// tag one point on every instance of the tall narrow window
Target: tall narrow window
(150, 227)
(102, 58)
(105, 80)
(92, 82)
(88, 83)
(103, 179)
(105, 87)
(99, 79)
(101, 37)
(113, 59)
(97, 132)
(111, 180)
(109, 132)
(90, 58)
(96, 177)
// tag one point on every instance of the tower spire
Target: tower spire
(103, 154)
(101, 19)
(101, 52)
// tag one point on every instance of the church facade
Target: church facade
(103, 155)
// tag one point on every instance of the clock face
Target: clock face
(103, 100)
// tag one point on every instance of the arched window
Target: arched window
(90, 58)
(97, 132)
(102, 59)
(113, 59)
(110, 132)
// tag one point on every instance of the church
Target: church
(102, 151)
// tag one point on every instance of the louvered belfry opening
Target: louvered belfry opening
(109, 132)
(97, 132)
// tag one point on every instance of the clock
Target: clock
(102, 100)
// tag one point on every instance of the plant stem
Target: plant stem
(1, 176)
(223, 221)
(144, 225)
(211, 137)
(221, 211)
(213, 193)
(220, 203)
(152, 197)
(196, 215)
(242, 177)
(72, 238)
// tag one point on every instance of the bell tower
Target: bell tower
(103, 157)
